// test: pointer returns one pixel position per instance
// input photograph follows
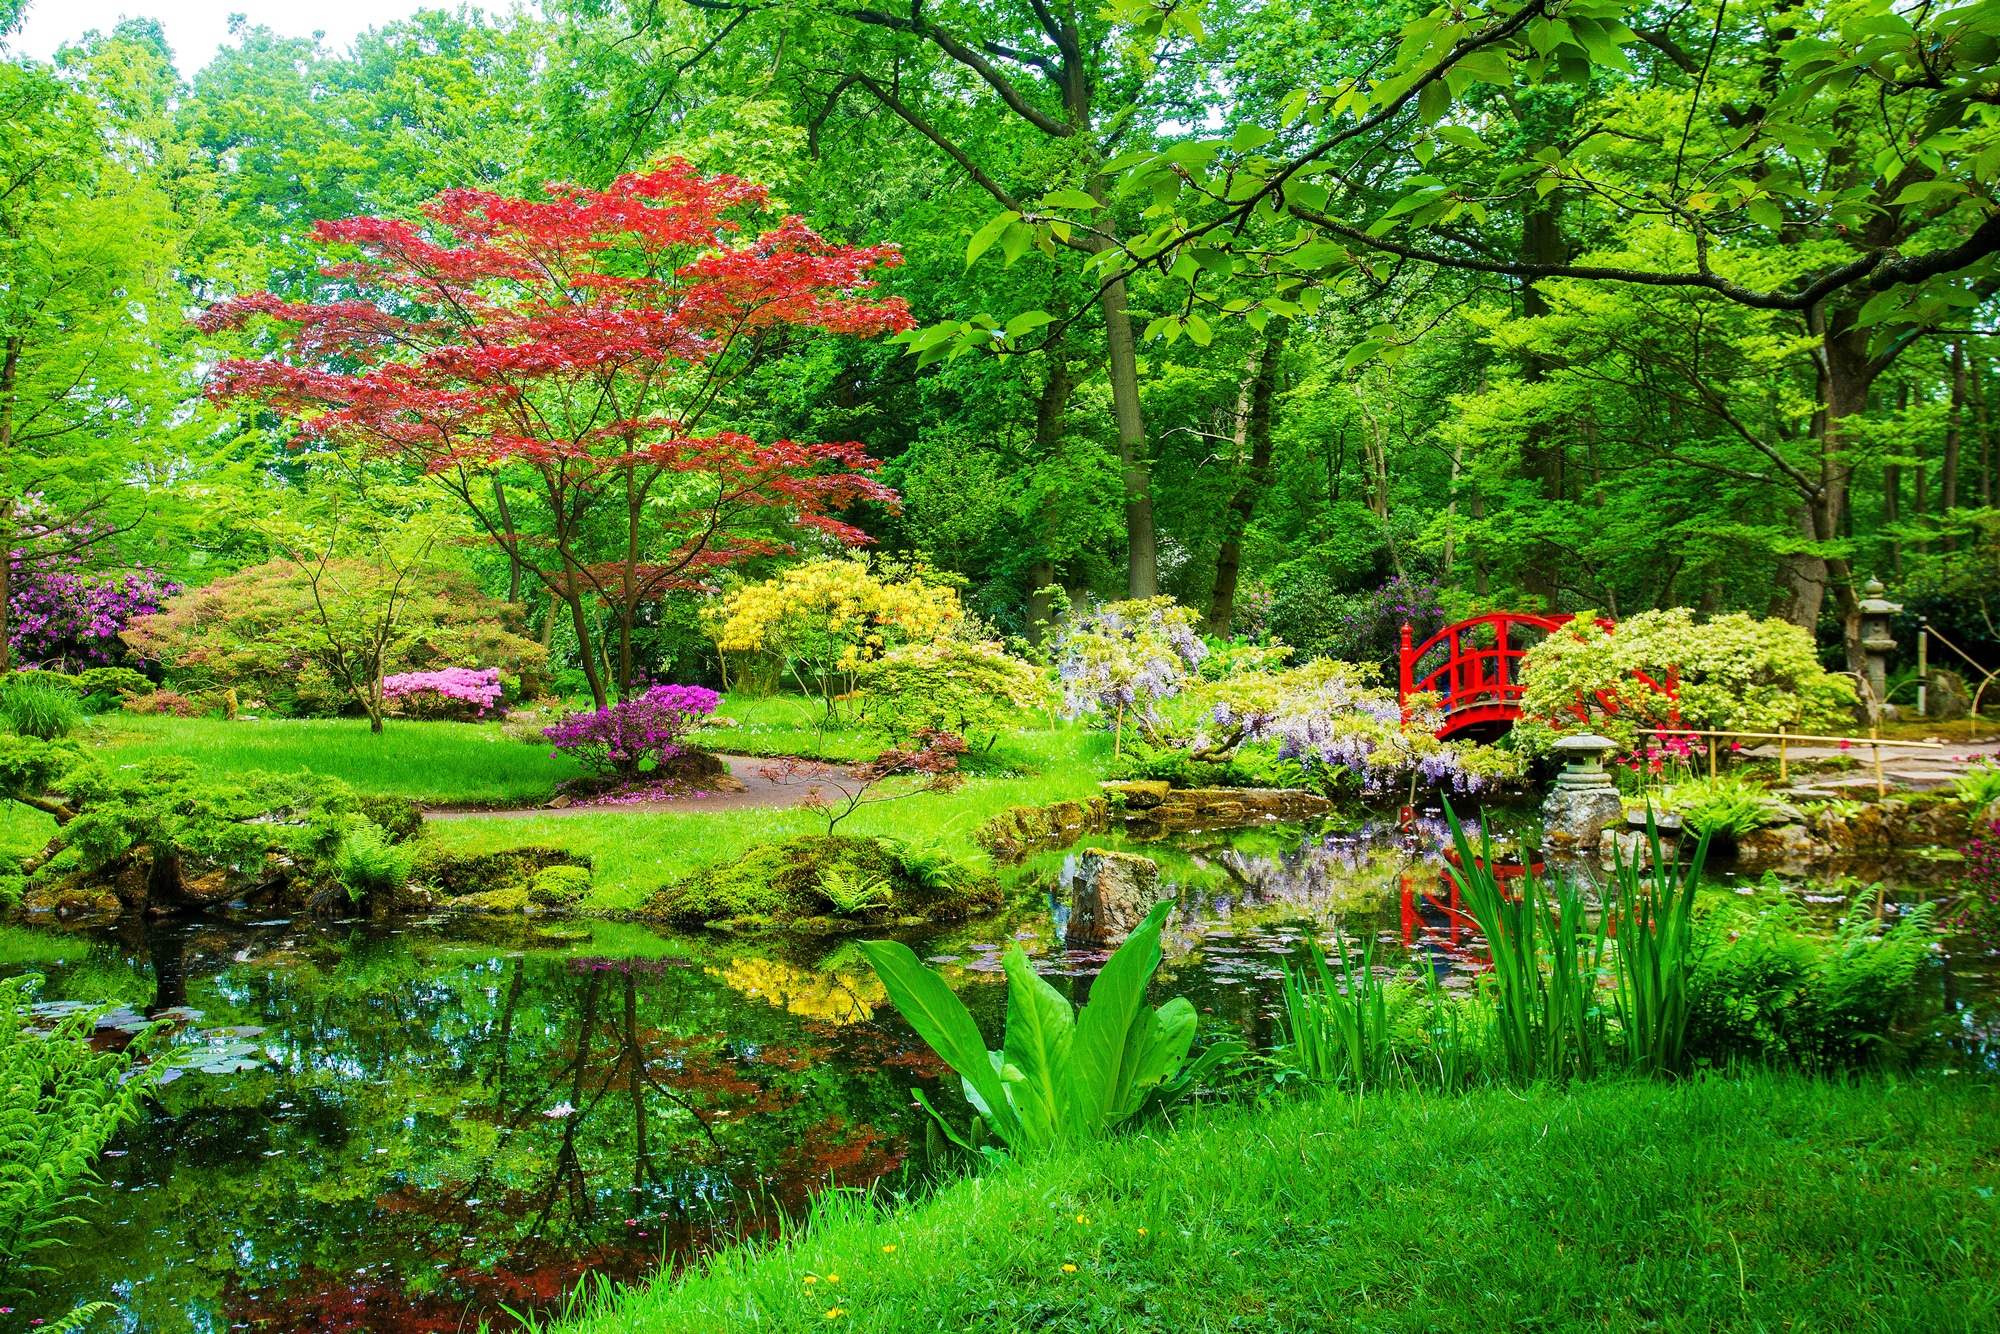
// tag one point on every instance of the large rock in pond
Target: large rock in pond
(1113, 893)
(1020, 830)
(1190, 808)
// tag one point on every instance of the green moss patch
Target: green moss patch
(500, 881)
(781, 884)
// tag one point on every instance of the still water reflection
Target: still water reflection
(452, 1115)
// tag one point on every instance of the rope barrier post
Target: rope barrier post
(1881, 788)
(1711, 757)
(1782, 776)
(1923, 668)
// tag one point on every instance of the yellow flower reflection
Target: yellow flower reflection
(831, 998)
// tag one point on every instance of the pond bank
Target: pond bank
(1760, 1202)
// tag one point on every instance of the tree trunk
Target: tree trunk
(1542, 457)
(1142, 556)
(1954, 432)
(1849, 374)
(1256, 427)
(513, 552)
(1892, 505)
(1050, 411)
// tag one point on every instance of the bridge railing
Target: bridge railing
(1479, 679)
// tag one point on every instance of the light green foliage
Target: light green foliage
(38, 708)
(1061, 1076)
(972, 688)
(1733, 673)
(778, 883)
(60, 1102)
(1771, 985)
(1724, 804)
(369, 862)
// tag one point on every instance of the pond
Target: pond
(445, 1116)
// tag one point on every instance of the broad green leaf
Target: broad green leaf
(1248, 137)
(940, 1018)
(1040, 1027)
(1433, 102)
(983, 239)
(1116, 998)
(1015, 239)
(1026, 320)
(1161, 1049)
(1360, 352)
(1198, 330)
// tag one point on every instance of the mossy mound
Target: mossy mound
(490, 881)
(780, 884)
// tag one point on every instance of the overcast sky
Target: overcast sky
(196, 27)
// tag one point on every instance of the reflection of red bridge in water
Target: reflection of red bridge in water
(1474, 667)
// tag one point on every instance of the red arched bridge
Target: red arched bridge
(1474, 667)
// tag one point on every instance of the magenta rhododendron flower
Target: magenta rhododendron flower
(614, 741)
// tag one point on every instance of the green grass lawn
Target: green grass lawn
(637, 851)
(438, 763)
(1758, 1203)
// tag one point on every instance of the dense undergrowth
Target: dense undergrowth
(1757, 1201)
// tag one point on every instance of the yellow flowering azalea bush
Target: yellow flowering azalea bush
(1734, 673)
(825, 618)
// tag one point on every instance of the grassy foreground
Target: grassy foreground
(438, 763)
(1764, 1202)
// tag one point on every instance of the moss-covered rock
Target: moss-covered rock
(779, 884)
(1019, 830)
(458, 876)
(559, 886)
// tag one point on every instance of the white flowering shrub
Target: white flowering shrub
(1733, 673)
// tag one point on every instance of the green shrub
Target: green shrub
(39, 676)
(61, 1100)
(115, 681)
(401, 819)
(33, 705)
(559, 886)
(370, 861)
(1771, 985)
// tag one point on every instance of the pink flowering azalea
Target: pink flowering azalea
(477, 686)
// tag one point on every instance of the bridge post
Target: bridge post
(1405, 683)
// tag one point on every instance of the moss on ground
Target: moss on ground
(499, 881)
(779, 884)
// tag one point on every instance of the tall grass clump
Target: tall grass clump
(32, 705)
(1337, 1029)
(1546, 961)
(1652, 917)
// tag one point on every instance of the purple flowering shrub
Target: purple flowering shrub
(1978, 912)
(65, 618)
(453, 692)
(613, 742)
(1126, 656)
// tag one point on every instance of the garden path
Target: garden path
(747, 789)
(1912, 770)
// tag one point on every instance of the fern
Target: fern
(852, 895)
(60, 1103)
(80, 1318)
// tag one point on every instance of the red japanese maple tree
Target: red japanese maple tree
(572, 348)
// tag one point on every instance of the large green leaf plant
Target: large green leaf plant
(1060, 1076)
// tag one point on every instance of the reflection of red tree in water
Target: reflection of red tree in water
(673, 1144)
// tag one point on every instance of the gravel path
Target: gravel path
(749, 790)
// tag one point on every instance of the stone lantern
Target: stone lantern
(1584, 801)
(1875, 642)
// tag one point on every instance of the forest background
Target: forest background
(1428, 375)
